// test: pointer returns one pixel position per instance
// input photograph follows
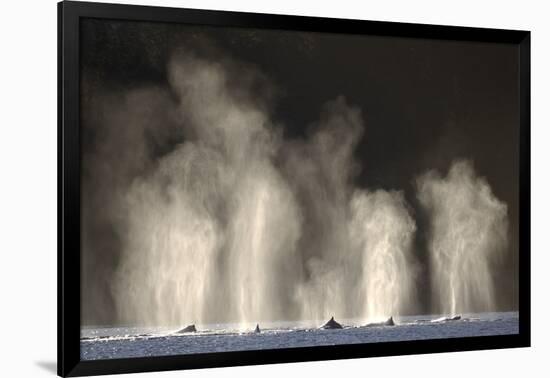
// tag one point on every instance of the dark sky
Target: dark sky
(425, 103)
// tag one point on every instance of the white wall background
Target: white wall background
(28, 154)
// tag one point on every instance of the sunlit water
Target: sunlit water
(105, 343)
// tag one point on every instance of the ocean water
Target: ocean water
(124, 342)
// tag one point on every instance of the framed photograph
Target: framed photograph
(239, 188)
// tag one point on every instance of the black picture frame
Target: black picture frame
(69, 16)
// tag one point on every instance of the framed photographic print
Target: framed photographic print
(240, 188)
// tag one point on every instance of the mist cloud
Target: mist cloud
(468, 236)
(215, 216)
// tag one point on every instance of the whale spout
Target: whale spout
(189, 328)
(332, 324)
(257, 330)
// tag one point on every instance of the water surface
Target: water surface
(124, 342)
